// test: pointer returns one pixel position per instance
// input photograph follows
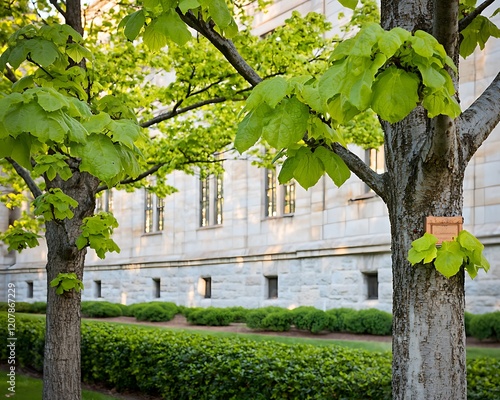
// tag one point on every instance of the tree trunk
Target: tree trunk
(425, 177)
(61, 371)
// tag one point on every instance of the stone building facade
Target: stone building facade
(243, 239)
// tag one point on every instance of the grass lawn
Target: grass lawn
(28, 388)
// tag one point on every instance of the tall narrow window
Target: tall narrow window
(205, 201)
(219, 199)
(29, 293)
(148, 212)
(376, 160)
(97, 289)
(211, 200)
(105, 201)
(279, 199)
(271, 210)
(272, 287)
(156, 288)
(289, 198)
(160, 206)
(154, 213)
(208, 288)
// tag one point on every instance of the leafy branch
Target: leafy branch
(464, 251)
(65, 282)
(466, 21)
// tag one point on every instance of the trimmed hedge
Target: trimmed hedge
(485, 326)
(100, 309)
(156, 311)
(38, 307)
(179, 365)
(210, 316)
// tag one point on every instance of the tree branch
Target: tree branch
(476, 123)
(225, 46)
(9, 74)
(23, 173)
(175, 112)
(465, 22)
(58, 7)
(364, 172)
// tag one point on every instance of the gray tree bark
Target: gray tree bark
(61, 372)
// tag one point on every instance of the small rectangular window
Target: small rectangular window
(29, 293)
(160, 207)
(272, 287)
(156, 288)
(97, 289)
(208, 288)
(289, 198)
(372, 285)
(219, 199)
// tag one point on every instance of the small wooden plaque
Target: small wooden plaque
(444, 228)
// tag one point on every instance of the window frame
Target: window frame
(211, 203)
(154, 213)
(29, 289)
(272, 286)
(97, 289)
(207, 287)
(279, 199)
(371, 284)
(157, 288)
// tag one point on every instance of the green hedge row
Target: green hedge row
(179, 365)
(369, 321)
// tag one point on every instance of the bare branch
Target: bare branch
(9, 74)
(476, 123)
(58, 7)
(225, 46)
(364, 172)
(24, 173)
(145, 174)
(465, 22)
(174, 112)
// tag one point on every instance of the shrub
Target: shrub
(210, 316)
(277, 321)
(375, 322)
(336, 317)
(156, 312)
(311, 319)
(100, 309)
(255, 317)
(485, 326)
(239, 314)
(180, 365)
(467, 318)
(38, 307)
(299, 315)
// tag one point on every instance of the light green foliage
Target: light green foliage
(65, 282)
(20, 235)
(478, 31)
(466, 250)
(54, 205)
(96, 233)
(162, 24)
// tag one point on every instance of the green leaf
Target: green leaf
(349, 3)
(449, 259)
(287, 123)
(173, 27)
(97, 123)
(77, 52)
(42, 51)
(218, 11)
(310, 96)
(309, 168)
(395, 94)
(288, 169)
(271, 91)
(423, 249)
(391, 41)
(186, 5)
(99, 157)
(426, 242)
(154, 37)
(335, 167)
(76, 131)
(49, 99)
(364, 41)
(134, 25)
(468, 241)
(125, 131)
(440, 102)
(250, 128)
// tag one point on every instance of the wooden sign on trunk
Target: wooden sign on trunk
(444, 228)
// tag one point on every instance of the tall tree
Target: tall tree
(76, 101)
(405, 70)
